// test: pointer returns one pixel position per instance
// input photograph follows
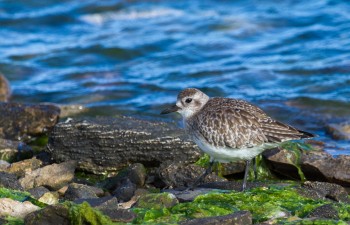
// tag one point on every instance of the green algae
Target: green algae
(13, 221)
(20, 196)
(80, 214)
(277, 203)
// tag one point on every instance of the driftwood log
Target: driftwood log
(109, 144)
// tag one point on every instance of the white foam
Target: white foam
(99, 19)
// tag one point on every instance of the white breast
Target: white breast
(226, 155)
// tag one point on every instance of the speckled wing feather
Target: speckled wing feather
(225, 122)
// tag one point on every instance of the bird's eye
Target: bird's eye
(188, 100)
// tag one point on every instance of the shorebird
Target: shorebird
(230, 130)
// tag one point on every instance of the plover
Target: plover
(230, 130)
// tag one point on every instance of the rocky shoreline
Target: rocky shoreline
(125, 170)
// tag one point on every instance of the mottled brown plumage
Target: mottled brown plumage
(230, 129)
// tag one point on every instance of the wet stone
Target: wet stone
(339, 131)
(55, 214)
(4, 165)
(125, 190)
(5, 91)
(323, 190)
(237, 218)
(324, 211)
(14, 208)
(52, 176)
(21, 121)
(157, 201)
(9, 181)
(37, 192)
(21, 167)
(79, 191)
(177, 175)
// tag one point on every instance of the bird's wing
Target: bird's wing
(237, 124)
(273, 130)
(229, 127)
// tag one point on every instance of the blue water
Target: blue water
(292, 58)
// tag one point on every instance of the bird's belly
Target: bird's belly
(226, 155)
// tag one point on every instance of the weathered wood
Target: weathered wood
(109, 144)
(5, 90)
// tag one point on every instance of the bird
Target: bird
(229, 129)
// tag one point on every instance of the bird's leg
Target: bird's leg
(255, 169)
(201, 178)
(246, 172)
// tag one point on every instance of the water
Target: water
(292, 58)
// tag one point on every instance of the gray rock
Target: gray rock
(120, 215)
(14, 150)
(37, 192)
(14, 208)
(316, 165)
(10, 181)
(111, 144)
(5, 90)
(55, 214)
(52, 176)
(71, 110)
(24, 166)
(339, 131)
(324, 211)
(108, 205)
(237, 218)
(125, 190)
(188, 195)
(157, 201)
(176, 175)
(106, 202)
(20, 121)
(323, 190)
(4, 165)
(76, 191)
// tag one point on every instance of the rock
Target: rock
(52, 176)
(114, 143)
(282, 162)
(26, 166)
(323, 190)
(50, 198)
(76, 191)
(324, 211)
(109, 206)
(136, 173)
(55, 214)
(105, 202)
(138, 193)
(120, 215)
(9, 181)
(37, 192)
(71, 110)
(20, 121)
(183, 175)
(339, 131)
(125, 190)
(14, 150)
(188, 195)
(14, 208)
(316, 165)
(232, 168)
(4, 165)
(157, 201)
(5, 91)
(237, 218)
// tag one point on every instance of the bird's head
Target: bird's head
(189, 102)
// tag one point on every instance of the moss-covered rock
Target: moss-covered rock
(157, 201)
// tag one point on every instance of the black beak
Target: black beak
(171, 109)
